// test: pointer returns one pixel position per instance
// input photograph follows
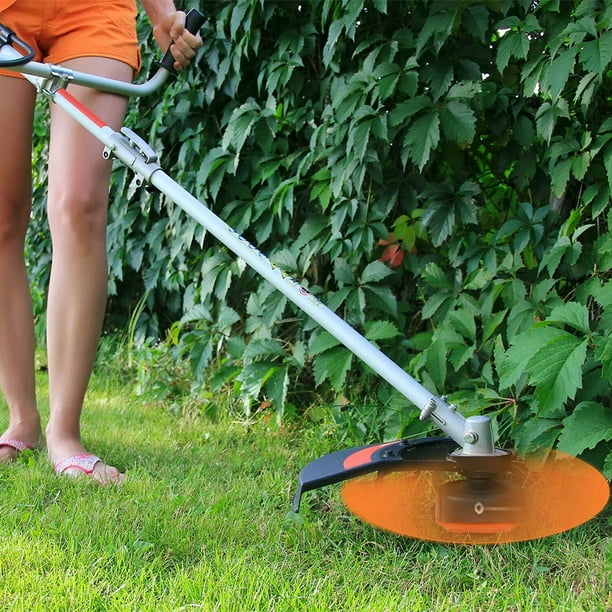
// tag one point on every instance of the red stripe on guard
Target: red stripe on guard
(363, 456)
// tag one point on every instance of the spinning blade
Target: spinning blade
(558, 494)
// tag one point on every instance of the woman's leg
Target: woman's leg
(16, 325)
(77, 210)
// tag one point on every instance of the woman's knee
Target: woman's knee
(78, 217)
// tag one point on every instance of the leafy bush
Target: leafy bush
(468, 145)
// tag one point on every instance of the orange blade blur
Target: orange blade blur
(559, 494)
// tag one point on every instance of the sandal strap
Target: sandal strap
(18, 445)
(84, 463)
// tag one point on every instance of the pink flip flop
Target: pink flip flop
(83, 463)
(18, 445)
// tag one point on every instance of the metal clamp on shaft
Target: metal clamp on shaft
(59, 79)
(134, 152)
(141, 145)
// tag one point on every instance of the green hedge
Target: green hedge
(439, 173)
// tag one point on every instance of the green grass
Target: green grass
(203, 523)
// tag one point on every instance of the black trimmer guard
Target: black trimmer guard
(421, 454)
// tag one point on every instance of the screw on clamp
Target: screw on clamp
(428, 409)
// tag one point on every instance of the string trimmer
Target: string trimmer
(460, 488)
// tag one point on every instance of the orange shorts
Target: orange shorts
(61, 30)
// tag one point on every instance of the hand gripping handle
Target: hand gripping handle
(193, 22)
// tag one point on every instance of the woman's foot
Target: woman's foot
(70, 458)
(18, 437)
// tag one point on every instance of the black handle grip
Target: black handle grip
(193, 22)
(8, 37)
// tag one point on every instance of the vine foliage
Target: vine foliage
(439, 173)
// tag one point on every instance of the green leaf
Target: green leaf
(524, 347)
(547, 115)
(478, 279)
(552, 257)
(603, 353)
(437, 26)
(507, 229)
(313, 227)
(240, 125)
(254, 376)
(459, 355)
(333, 365)
(555, 77)
(586, 89)
(276, 388)
(464, 89)
(434, 276)
(463, 321)
(608, 164)
(560, 176)
(536, 433)
(556, 372)
(589, 424)
(439, 76)
(375, 271)
(445, 205)
(458, 122)
(344, 273)
(492, 323)
(263, 347)
(513, 44)
(213, 168)
(408, 109)
(603, 296)
(381, 6)
(573, 314)
(476, 20)
(436, 362)
(433, 304)
(358, 138)
(580, 165)
(597, 54)
(321, 342)
(384, 298)
(335, 30)
(387, 76)
(607, 468)
(423, 136)
(380, 330)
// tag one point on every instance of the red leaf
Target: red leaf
(393, 254)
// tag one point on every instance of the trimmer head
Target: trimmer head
(427, 489)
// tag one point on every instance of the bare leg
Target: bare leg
(77, 210)
(16, 325)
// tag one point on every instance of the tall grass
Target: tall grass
(203, 523)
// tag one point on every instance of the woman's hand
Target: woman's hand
(170, 32)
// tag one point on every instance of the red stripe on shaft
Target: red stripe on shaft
(80, 107)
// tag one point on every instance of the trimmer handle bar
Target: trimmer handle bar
(12, 59)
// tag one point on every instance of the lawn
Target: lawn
(203, 522)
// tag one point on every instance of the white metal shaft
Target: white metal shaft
(449, 421)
